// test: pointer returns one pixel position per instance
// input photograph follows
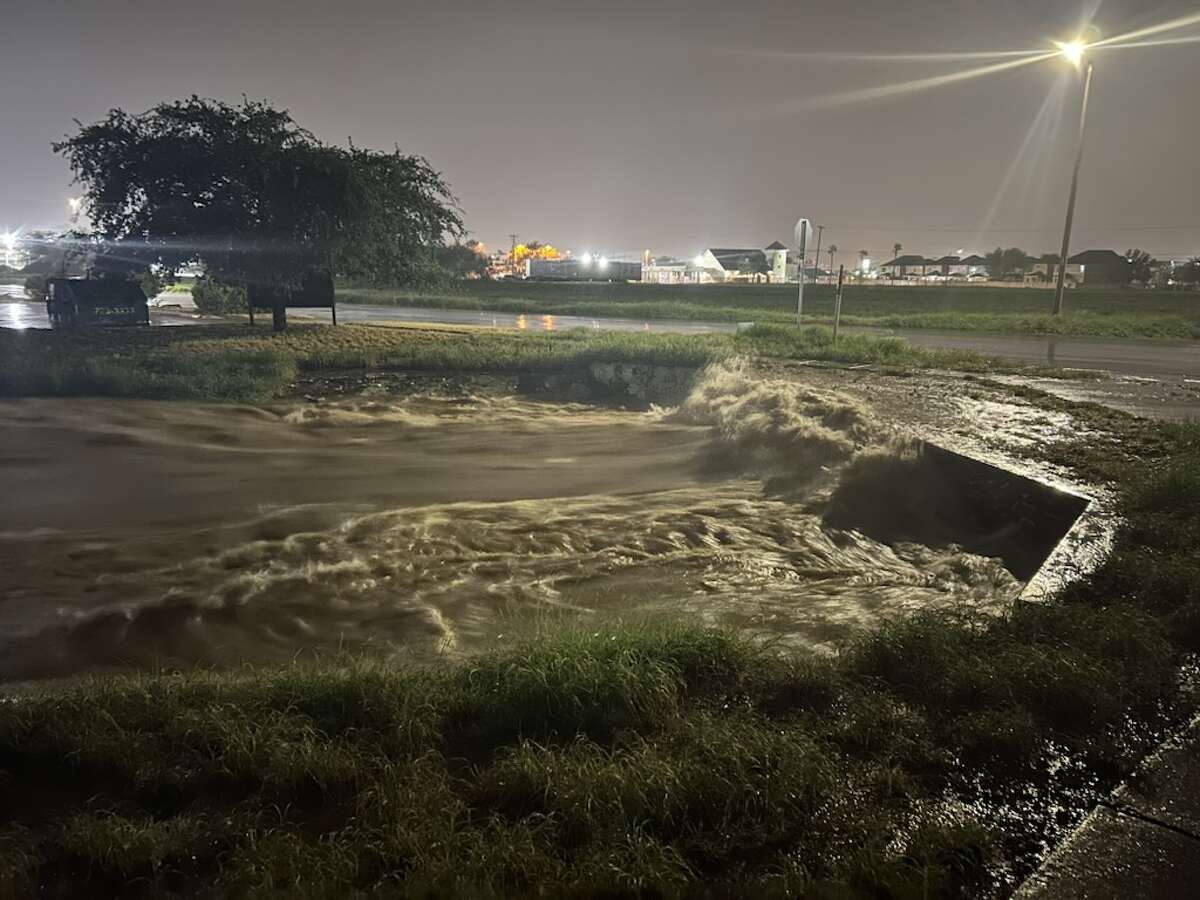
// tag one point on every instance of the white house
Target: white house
(737, 264)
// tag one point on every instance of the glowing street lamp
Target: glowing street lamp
(586, 259)
(8, 240)
(1075, 52)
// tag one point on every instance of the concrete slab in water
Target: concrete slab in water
(937, 497)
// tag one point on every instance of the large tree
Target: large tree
(255, 198)
(1001, 262)
(1141, 265)
(467, 260)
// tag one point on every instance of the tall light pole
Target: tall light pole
(1074, 52)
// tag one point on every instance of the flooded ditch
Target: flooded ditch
(430, 523)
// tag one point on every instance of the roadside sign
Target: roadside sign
(804, 232)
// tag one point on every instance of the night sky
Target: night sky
(620, 126)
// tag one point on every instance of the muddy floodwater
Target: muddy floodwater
(142, 534)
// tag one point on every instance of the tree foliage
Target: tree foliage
(255, 198)
(1141, 265)
(216, 299)
(467, 260)
(1001, 262)
(533, 250)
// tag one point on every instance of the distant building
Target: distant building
(907, 267)
(668, 270)
(584, 268)
(778, 262)
(975, 266)
(1091, 267)
(952, 267)
(736, 264)
(1102, 267)
(775, 264)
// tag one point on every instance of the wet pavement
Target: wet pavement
(1160, 379)
(1124, 357)
(361, 312)
(1143, 842)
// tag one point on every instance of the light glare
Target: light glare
(1072, 50)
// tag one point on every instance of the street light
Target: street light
(1074, 52)
(9, 240)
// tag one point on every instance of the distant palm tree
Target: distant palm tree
(896, 248)
(833, 248)
(862, 262)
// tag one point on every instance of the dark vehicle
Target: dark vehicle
(75, 302)
(315, 292)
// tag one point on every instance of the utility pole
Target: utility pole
(802, 231)
(817, 255)
(1066, 244)
(512, 254)
(837, 301)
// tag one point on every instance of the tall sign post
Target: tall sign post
(803, 234)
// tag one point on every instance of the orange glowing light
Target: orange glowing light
(521, 323)
(534, 250)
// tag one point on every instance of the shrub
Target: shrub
(37, 287)
(213, 298)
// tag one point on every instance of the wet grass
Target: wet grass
(236, 362)
(935, 756)
(1090, 312)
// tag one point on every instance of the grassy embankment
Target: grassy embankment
(233, 362)
(935, 756)
(1094, 313)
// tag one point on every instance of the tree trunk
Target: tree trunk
(279, 317)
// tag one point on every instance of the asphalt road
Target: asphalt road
(1147, 359)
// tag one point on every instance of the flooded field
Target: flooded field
(145, 534)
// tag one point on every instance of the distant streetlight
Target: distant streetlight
(9, 240)
(603, 263)
(586, 259)
(1074, 52)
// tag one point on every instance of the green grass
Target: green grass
(235, 362)
(1090, 312)
(937, 755)
(934, 756)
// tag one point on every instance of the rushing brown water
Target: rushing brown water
(140, 534)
